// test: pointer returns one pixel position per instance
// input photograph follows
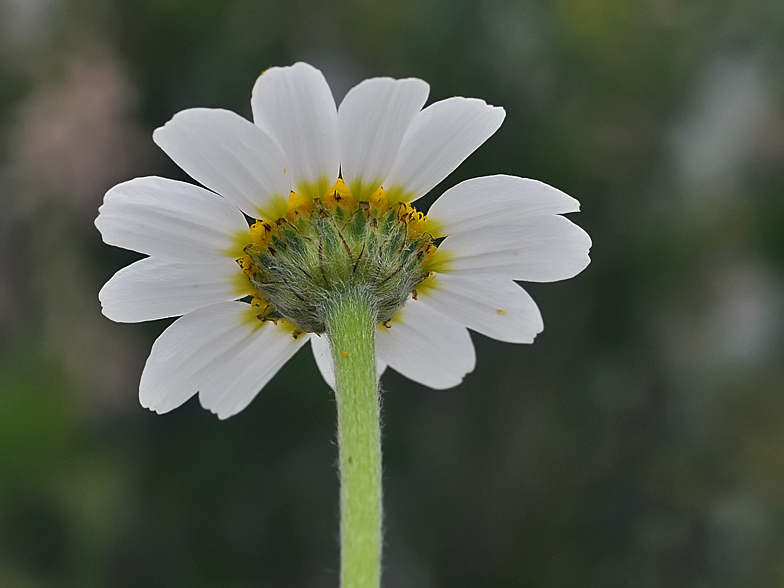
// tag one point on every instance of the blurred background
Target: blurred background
(638, 443)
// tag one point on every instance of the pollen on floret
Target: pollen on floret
(339, 196)
(246, 265)
(431, 251)
(298, 206)
(412, 217)
(378, 201)
(260, 232)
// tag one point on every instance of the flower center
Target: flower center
(325, 246)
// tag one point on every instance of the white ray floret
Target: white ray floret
(536, 249)
(496, 200)
(426, 346)
(439, 138)
(153, 289)
(219, 352)
(388, 106)
(499, 309)
(295, 107)
(230, 156)
(170, 219)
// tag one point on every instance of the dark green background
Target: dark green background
(638, 443)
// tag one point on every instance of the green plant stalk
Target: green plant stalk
(351, 323)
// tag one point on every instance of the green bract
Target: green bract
(310, 257)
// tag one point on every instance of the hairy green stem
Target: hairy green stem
(351, 323)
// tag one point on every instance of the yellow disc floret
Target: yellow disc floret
(339, 196)
(298, 206)
(259, 233)
(378, 201)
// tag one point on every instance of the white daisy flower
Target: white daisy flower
(329, 192)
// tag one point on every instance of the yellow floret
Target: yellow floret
(298, 206)
(412, 217)
(260, 232)
(246, 265)
(339, 195)
(378, 201)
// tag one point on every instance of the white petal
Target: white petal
(323, 356)
(253, 361)
(426, 346)
(537, 249)
(220, 351)
(439, 139)
(152, 288)
(294, 105)
(231, 156)
(497, 308)
(500, 199)
(170, 219)
(372, 119)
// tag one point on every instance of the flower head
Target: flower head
(329, 195)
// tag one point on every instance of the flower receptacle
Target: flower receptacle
(321, 248)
